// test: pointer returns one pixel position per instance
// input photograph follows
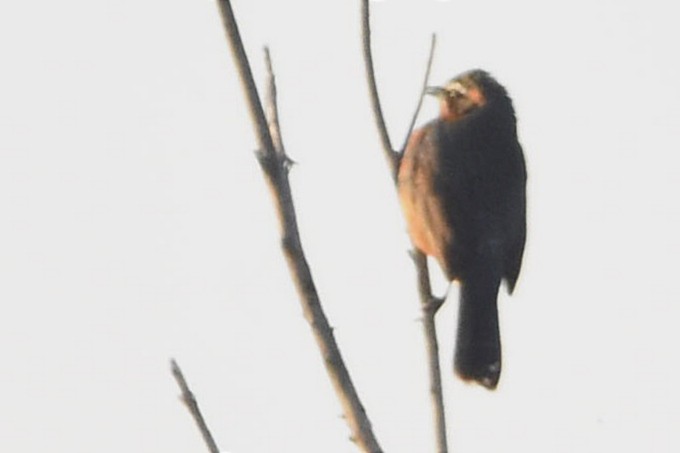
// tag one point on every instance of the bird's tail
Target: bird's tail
(478, 346)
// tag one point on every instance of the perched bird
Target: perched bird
(462, 187)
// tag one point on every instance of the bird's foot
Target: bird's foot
(433, 304)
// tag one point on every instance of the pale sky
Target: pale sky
(136, 226)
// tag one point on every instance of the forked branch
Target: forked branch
(275, 164)
(429, 303)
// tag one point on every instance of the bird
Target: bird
(462, 186)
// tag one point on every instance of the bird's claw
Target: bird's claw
(433, 304)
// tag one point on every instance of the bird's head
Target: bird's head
(466, 93)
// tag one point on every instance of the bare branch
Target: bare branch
(390, 155)
(433, 43)
(429, 303)
(191, 404)
(276, 175)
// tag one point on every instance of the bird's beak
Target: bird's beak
(435, 91)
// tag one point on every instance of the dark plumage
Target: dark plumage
(462, 186)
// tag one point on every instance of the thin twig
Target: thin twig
(390, 155)
(275, 170)
(192, 405)
(272, 113)
(272, 110)
(433, 43)
(429, 303)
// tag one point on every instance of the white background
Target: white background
(135, 226)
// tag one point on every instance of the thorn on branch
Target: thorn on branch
(288, 163)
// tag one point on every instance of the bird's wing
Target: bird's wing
(424, 209)
(516, 228)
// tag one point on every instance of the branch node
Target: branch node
(288, 163)
(268, 162)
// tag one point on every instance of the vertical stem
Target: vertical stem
(429, 306)
(429, 303)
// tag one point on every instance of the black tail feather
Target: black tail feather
(478, 347)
